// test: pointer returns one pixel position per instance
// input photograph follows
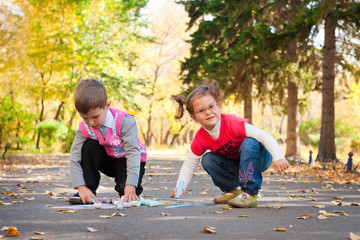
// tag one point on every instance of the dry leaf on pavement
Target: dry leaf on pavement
(305, 216)
(281, 229)
(208, 230)
(322, 217)
(353, 236)
(90, 229)
(12, 232)
(243, 216)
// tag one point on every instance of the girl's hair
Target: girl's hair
(89, 94)
(211, 89)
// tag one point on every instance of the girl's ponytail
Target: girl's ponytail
(181, 100)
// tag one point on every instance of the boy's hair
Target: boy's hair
(89, 94)
(211, 89)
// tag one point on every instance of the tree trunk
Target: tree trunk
(58, 112)
(148, 133)
(292, 139)
(40, 119)
(248, 99)
(327, 132)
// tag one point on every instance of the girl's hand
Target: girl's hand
(173, 193)
(130, 194)
(86, 194)
(281, 165)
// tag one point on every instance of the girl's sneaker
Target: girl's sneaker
(244, 200)
(226, 196)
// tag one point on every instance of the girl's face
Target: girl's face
(206, 111)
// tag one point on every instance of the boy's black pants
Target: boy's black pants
(94, 160)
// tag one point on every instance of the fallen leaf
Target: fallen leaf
(65, 211)
(48, 193)
(203, 193)
(90, 229)
(119, 214)
(105, 216)
(337, 202)
(218, 212)
(354, 204)
(322, 212)
(336, 197)
(227, 208)
(281, 229)
(36, 238)
(276, 207)
(208, 230)
(322, 217)
(353, 236)
(305, 216)
(12, 232)
(165, 214)
(29, 198)
(341, 212)
(319, 206)
(331, 214)
(39, 233)
(243, 216)
(313, 199)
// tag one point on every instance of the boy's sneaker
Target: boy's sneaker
(226, 196)
(75, 199)
(244, 200)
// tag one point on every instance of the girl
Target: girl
(238, 151)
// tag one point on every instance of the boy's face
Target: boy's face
(96, 116)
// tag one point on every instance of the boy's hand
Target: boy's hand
(281, 165)
(86, 194)
(130, 194)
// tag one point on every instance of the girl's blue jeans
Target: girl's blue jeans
(245, 172)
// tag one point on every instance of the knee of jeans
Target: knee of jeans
(206, 161)
(250, 145)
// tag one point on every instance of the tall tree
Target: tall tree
(336, 13)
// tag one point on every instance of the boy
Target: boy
(107, 142)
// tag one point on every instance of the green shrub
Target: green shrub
(55, 135)
(309, 134)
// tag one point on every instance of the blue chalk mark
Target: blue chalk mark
(179, 189)
(187, 204)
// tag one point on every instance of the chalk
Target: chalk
(153, 203)
(119, 206)
(98, 205)
(179, 189)
(135, 203)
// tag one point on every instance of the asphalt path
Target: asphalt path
(303, 207)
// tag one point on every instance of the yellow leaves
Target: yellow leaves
(280, 229)
(243, 216)
(211, 230)
(12, 232)
(65, 211)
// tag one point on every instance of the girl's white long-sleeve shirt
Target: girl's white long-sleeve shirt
(266, 139)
